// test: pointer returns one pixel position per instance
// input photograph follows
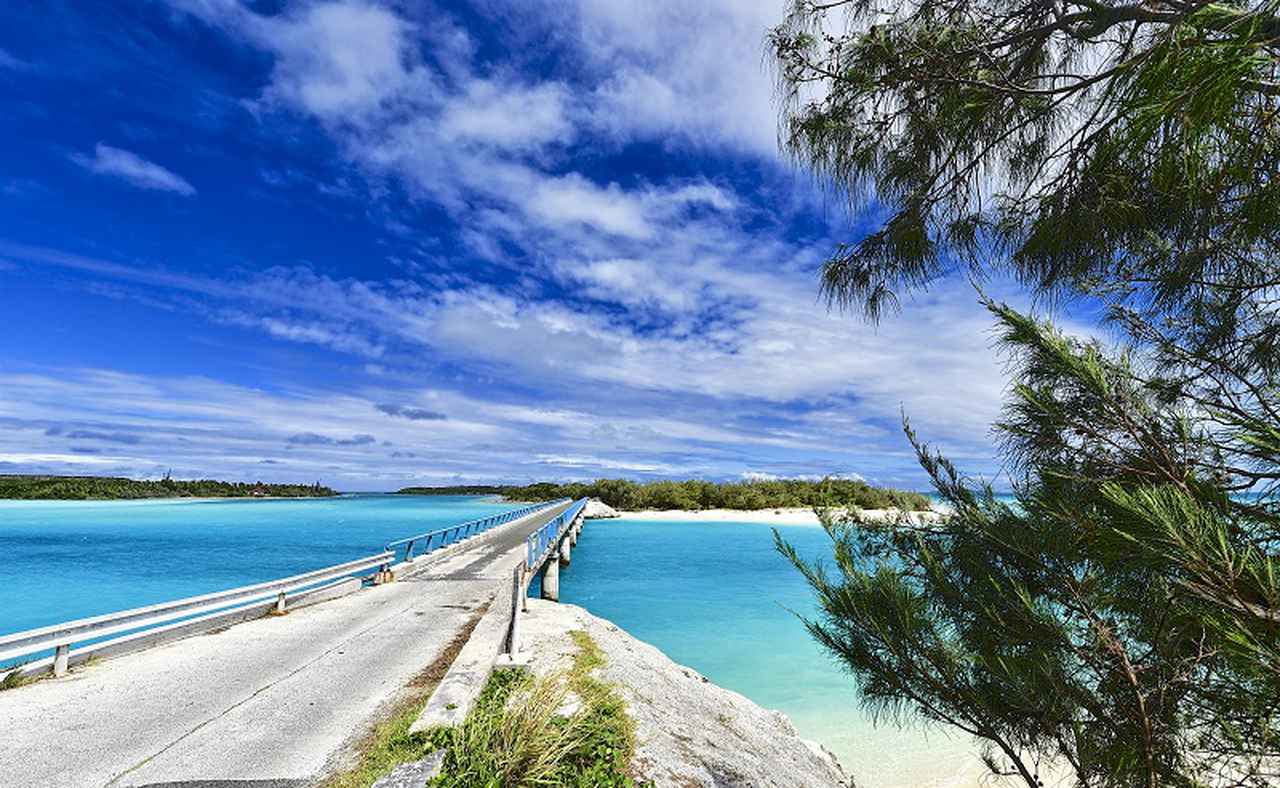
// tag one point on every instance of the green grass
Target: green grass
(14, 679)
(516, 736)
(519, 735)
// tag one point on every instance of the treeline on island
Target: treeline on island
(117, 488)
(696, 494)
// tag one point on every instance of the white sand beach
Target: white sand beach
(787, 516)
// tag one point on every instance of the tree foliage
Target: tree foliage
(116, 488)
(696, 494)
(1121, 623)
(1123, 149)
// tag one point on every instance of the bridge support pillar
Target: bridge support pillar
(573, 533)
(551, 580)
(564, 551)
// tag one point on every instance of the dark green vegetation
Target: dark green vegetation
(465, 489)
(517, 737)
(693, 495)
(1122, 624)
(115, 488)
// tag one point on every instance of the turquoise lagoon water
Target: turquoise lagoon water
(717, 597)
(61, 560)
(714, 596)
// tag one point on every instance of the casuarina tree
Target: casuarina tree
(1120, 623)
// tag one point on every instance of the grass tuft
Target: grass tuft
(567, 728)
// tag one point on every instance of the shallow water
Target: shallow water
(714, 596)
(61, 560)
(717, 597)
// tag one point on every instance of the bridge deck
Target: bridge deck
(271, 703)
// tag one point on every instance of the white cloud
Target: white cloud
(693, 70)
(198, 426)
(659, 313)
(507, 116)
(118, 163)
(600, 463)
(337, 60)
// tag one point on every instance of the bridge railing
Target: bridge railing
(95, 632)
(544, 539)
(115, 631)
(442, 537)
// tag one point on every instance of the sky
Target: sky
(377, 244)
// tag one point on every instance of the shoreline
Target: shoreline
(785, 516)
(172, 498)
(693, 730)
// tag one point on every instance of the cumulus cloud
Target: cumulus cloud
(132, 168)
(689, 72)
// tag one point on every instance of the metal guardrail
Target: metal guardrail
(456, 533)
(538, 546)
(61, 637)
(542, 540)
(95, 632)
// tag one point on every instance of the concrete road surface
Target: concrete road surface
(274, 702)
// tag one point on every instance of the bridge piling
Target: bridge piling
(565, 550)
(551, 580)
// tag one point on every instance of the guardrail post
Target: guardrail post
(517, 600)
(60, 656)
(280, 604)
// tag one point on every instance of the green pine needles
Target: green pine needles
(1119, 626)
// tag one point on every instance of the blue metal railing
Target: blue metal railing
(442, 537)
(540, 541)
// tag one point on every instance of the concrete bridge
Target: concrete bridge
(280, 699)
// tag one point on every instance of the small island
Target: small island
(698, 495)
(115, 488)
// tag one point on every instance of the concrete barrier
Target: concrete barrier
(457, 692)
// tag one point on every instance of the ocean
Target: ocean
(717, 597)
(713, 596)
(69, 559)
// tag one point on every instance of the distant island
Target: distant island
(694, 495)
(112, 488)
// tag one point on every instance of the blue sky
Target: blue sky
(388, 243)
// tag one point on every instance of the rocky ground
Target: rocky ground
(599, 510)
(691, 733)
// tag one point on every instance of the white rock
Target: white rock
(599, 510)
(689, 731)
